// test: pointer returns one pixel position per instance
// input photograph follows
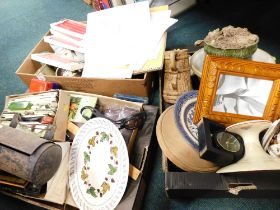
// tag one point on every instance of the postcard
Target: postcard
(80, 109)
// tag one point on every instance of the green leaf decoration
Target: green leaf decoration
(104, 136)
(105, 187)
(92, 141)
(20, 105)
(76, 100)
(86, 157)
(91, 191)
(84, 175)
(114, 151)
(112, 169)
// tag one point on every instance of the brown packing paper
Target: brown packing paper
(69, 199)
(56, 187)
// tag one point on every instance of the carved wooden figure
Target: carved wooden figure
(176, 75)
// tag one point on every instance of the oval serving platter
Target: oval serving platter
(99, 165)
(197, 59)
(184, 112)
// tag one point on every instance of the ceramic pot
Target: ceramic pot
(236, 53)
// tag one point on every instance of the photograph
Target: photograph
(77, 102)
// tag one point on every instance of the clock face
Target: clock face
(228, 142)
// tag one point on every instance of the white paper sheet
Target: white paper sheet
(115, 38)
(122, 39)
(160, 22)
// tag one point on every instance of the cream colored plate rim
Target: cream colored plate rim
(197, 59)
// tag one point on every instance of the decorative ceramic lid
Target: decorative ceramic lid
(231, 37)
(197, 59)
(99, 165)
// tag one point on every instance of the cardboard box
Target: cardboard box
(182, 184)
(144, 145)
(59, 135)
(132, 199)
(139, 85)
(61, 118)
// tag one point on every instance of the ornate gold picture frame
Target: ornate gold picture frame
(235, 90)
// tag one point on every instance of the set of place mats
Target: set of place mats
(177, 135)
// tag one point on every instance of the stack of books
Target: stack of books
(67, 41)
(105, 4)
(68, 34)
(176, 6)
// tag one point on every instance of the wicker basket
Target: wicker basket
(177, 78)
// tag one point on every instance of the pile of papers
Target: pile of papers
(114, 43)
(122, 39)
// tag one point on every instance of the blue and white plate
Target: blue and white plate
(184, 112)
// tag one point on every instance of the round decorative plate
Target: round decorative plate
(197, 59)
(99, 165)
(184, 112)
